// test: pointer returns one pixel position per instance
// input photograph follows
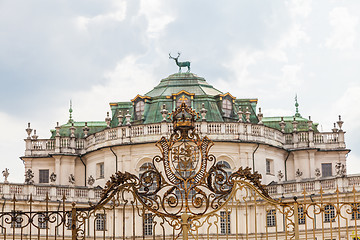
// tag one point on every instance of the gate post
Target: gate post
(185, 225)
(296, 219)
(73, 222)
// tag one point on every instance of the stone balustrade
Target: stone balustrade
(217, 131)
(38, 192)
(85, 194)
(313, 186)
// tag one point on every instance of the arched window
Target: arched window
(143, 174)
(139, 109)
(225, 166)
(227, 107)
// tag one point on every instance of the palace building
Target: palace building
(293, 157)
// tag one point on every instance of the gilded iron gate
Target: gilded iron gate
(185, 194)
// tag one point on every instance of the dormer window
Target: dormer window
(183, 99)
(139, 109)
(226, 107)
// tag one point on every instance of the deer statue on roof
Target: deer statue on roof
(180, 64)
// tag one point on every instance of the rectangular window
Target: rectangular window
(329, 213)
(225, 222)
(271, 218)
(269, 166)
(69, 221)
(148, 224)
(44, 176)
(326, 169)
(355, 211)
(42, 221)
(301, 215)
(100, 170)
(100, 222)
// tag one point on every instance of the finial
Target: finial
(57, 128)
(294, 123)
(28, 131)
(70, 111)
(35, 137)
(310, 124)
(260, 116)
(334, 129)
(86, 130)
(282, 124)
(164, 113)
(297, 114)
(340, 123)
(247, 115)
(240, 113)
(203, 112)
(120, 118)
(108, 120)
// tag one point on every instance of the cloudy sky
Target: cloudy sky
(98, 51)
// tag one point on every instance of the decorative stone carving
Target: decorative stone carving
(128, 116)
(57, 129)
(28, 131)
(91, 180)
(298, 174)
(120, 118)
(203, 112)
(282, 124)
(340, 169)
(34, 136)
(72, 130)
(108, 120)
(29, 175)
(260, 116)
(86, 130)
(247, 114)
(317, 173)
(280, 175)
(72, 179)
(310, 124)
(335, 128)
(340, 123)
(295, 123)
(6, 175)
(53, 177)
(164, 113)
(240, 113)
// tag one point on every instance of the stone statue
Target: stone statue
(29, 175)
(91, 180)
(340, 169)
(280, 175)
(317, 173)
(6, 175)
(72, 179)
(180, 64)
(53, 177)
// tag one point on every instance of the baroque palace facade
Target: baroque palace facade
(292, 155)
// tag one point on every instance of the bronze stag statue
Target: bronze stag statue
(180, 64)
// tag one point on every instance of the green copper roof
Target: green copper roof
(176, 86)
(188, 82)
(93, 128)
(273, 122)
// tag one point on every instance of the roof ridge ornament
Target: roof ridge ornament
(297, 114)
(71, 120)
(180, 64)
